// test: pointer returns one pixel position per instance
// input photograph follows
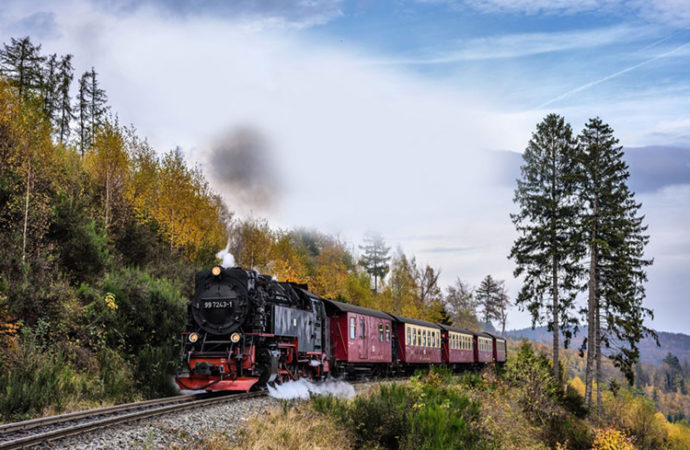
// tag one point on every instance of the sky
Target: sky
(402, 117)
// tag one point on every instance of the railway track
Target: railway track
(30, 433)
(34, 432)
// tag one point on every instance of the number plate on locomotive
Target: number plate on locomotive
(217, 304)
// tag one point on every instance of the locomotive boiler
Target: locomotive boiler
(246, 330)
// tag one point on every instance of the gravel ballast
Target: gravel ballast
(184, 429)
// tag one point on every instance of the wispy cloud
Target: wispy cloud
(671, 12)
(526, 44)
(612, 76)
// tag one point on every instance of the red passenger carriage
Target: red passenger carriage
(484, 348)
(458, 345)
(418, 341)
(359, 336)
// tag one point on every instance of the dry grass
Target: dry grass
(292, 427)
(502, 419)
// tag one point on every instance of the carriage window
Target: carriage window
(388, 332)
(424, 338)
(409, 336)
(380, 332)
(353, 328)
(416, 336)
(361, 322)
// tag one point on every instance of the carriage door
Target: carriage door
(316, 328)
(364, 344)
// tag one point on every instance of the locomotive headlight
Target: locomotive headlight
(235, 338)
(193, 337)
(215, 271)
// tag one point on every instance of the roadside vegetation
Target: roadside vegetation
(520, 406)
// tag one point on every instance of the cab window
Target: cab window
(353, 328)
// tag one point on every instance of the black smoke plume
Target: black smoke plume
(241, 165)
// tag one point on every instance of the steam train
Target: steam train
(246, 330)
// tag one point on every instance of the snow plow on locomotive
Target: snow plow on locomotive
(246, 330)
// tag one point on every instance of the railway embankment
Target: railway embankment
(519, 406)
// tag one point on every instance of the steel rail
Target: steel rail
(155, 407)
(53, 420)
(61, 433)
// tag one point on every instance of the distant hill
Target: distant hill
(676, 343)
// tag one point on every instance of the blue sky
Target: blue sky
(406, 117)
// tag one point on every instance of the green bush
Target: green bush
(424, 415)
(154, 368)
(531, 372)
(36, 378)
(148, 311)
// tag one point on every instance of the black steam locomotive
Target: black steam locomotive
(246, 328)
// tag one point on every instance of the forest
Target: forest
(101, 234)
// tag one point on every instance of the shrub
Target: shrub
(427, 414)
(611, 439)
(532, 374)
(36, 378)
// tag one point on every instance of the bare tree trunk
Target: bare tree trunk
(591, 314)
(556, 362)
(107, 200)
(27, 194)
(598, 370)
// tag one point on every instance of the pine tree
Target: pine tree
(91, 109)
(548, 249)
(615, 241)
(97, 102)
(493, 297)
(486, 295)
(82, 107)
(49, 87)
(375, 258)
(21, 63)
(64, 114)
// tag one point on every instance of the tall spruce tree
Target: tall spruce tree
(64, 114)
(82, 107)
(21, 63)
(97, 102)
(376, 257)
(91, 109)
(548, 250)
(615, 240)
(49, 86)
(492, 296)
(487, 295)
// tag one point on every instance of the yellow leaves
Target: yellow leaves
(577, 384)
(110, 301)
(611, 439)
(9, 326)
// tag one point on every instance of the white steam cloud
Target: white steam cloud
(226, 258)
(302, 388)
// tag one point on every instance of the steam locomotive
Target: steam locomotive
(246, 330)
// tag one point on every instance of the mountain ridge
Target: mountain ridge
(676, 343)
